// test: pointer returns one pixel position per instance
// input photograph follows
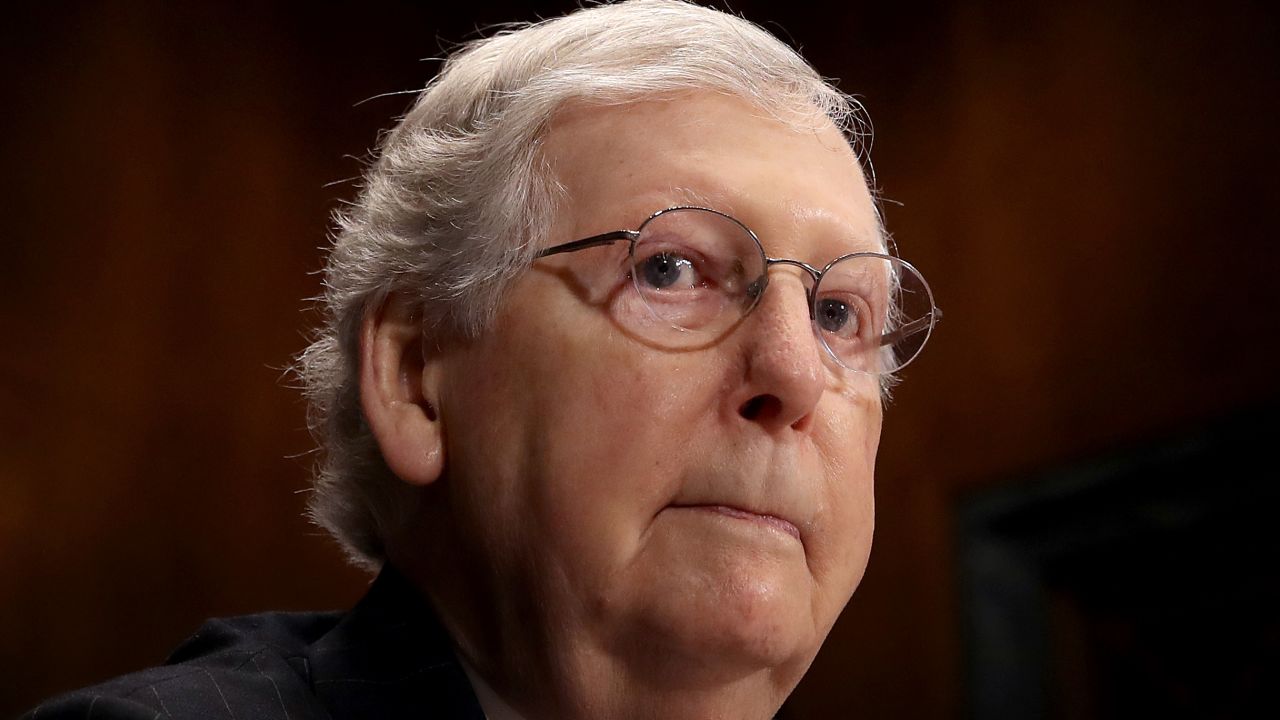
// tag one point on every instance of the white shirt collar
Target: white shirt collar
(494, 707)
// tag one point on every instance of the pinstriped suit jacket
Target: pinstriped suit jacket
(388, 658)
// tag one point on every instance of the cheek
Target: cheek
(610, 450)
(581, 434)
(848, 442)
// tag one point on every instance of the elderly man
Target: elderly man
(600, 391)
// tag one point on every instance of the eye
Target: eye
(846, 317)
(837, 317)
(666, 270)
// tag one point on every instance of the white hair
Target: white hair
(459, 199)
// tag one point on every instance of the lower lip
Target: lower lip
(771, 521)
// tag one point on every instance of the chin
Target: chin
(717, 628)
(758, 625)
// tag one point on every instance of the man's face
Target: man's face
(626, 498)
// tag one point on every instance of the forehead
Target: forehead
(798, 184)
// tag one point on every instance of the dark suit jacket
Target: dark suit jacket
(388, 658)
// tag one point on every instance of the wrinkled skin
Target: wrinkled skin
(614, 529)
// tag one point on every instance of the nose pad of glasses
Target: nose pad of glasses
(754, 291)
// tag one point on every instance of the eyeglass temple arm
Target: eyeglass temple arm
(911, 328)
(593, 241)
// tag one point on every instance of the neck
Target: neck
(582, 682)
(537, 661)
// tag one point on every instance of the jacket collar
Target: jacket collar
(390, 657)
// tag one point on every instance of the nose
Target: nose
(784, 371)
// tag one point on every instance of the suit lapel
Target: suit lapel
(390, 658)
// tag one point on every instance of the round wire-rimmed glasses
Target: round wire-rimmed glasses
(696, 272)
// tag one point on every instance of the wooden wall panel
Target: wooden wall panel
(1086, 186)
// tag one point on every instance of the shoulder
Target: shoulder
(388, 657)
(246, 667)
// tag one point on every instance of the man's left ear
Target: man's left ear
(398, 387)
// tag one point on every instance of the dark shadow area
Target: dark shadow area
(1142, 584)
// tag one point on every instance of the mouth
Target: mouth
(772, 522)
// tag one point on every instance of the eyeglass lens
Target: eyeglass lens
(698, 272)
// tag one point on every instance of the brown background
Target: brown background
(1091, 187)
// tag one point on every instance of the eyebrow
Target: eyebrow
(878, 240)
(722, 200)
(685, 195)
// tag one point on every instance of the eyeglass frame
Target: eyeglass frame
(632, 236)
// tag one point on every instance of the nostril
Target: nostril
(761, 407)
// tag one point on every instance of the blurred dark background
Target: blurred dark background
(1077, 486)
